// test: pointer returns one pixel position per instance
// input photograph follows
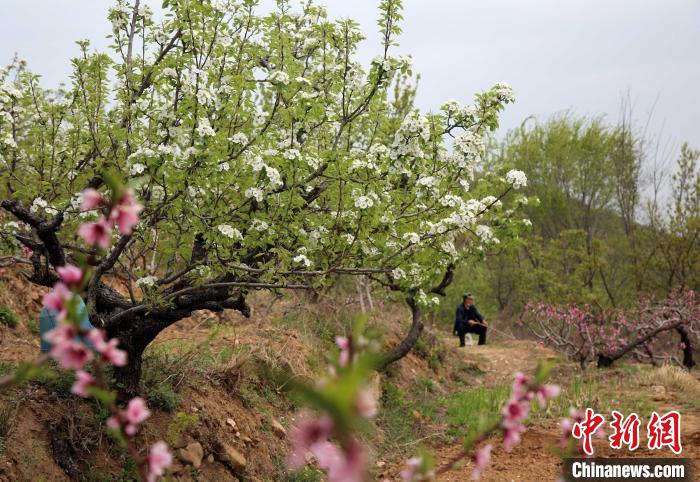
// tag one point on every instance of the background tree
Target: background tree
(265, 157)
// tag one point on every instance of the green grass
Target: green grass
(395, 416)
(473, 408)
(8, 317)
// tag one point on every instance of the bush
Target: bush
(163, 397)
(8, 317)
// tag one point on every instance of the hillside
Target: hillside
(227, 421)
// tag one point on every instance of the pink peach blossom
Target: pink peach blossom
(91, 199)
(98, 233)
(481, 460)
(71, 275)
(71, 355)
(83, 381)
(159, 459)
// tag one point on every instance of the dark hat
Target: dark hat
(466, 295)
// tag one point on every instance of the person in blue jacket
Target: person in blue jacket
(48, 321)
(469, 320)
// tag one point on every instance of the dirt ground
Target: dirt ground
(534, 459)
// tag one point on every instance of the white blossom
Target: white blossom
(229, 231)
(517, 178)
(302, 259)
(146, 282)
(137, 169)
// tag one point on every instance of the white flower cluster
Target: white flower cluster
(229, 231)
(204, 128)
(470, 144)
(458, 111)
(504, 92)
(146, 282)
(407, 137)
(302, 259)
(279, 77)
(517, 178)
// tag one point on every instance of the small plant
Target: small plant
(8, 317)
(179, 425)
(32, 325)
(163, 397)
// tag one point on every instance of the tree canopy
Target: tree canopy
(264, 154)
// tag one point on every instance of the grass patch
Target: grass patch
(8, 414)
(8, 317)
(395, 417)
(466, 410)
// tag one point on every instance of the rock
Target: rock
(380, 463)
(231, 423)
(278, 429)
(232, 457)
(192, 454)
(210, 458)
(247, 440)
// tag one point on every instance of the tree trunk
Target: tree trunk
(688, 361)
(606, 360)
(134, 341)
(403, 348)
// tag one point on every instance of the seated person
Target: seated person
(469, 320)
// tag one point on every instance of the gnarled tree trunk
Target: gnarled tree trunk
(409, 341)
(688, 348)
(607, 359)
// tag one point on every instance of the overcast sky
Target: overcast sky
(574, 54)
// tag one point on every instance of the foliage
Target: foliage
(585, 334)
(265, 155)
(8, 317)
(601, 234)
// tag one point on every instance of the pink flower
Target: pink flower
(113, 423)
(411, 472)
(126, 214)
(306, 433)
(114, 355)
(159, 459)
(136, 411)
(327, 454)
(350, 466)
(108, 349)
(91, 200)
(366, 404)
(511, 436)
(519, 384)
(481, 460)
(63, 333)
(83, 381)
(27, 251)
(343, 342)
(71, 275)
(97, 338)
(57, 299)
(71, 355)
(515, 411)
(547, 392)
(96, 234)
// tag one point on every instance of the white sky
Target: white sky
(557, 54)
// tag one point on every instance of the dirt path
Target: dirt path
(533, 460)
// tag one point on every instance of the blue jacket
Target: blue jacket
(463, 315)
